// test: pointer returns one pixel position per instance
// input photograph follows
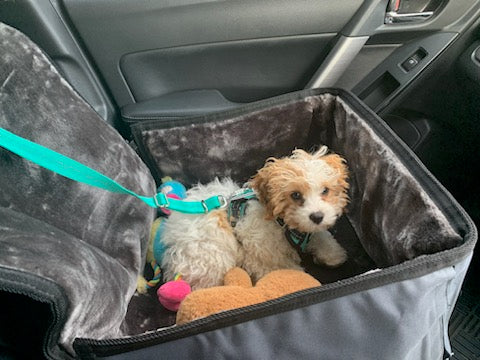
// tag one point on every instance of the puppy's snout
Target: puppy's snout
(316, 217)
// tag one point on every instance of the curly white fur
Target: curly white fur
(204, 247)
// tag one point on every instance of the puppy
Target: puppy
(303, 194)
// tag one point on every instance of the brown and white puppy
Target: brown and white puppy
(305, 193)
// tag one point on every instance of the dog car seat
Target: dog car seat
(77, 250)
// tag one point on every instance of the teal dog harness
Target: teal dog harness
(296, 238)
(237, 206)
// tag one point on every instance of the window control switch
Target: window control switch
(410, 63)
(413, 60)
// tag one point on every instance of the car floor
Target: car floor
(452, 153)
(464, 325)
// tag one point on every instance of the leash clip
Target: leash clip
(163, 206)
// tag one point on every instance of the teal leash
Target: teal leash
(76, 171)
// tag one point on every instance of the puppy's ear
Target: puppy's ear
(338, 163)
(270, 184)
(259, 182)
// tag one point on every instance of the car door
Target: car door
(174, 58)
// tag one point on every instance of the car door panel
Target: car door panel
(242, 71)
(380, 85)
(210, 43)
(238, 50)
(392, 76)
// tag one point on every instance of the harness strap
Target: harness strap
(296, 238)
(76, 171)
(237, 204)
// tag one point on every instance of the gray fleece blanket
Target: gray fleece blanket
(89, 242)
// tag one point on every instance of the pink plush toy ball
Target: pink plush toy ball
(172, 293)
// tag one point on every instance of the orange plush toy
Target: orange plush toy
(239, 292)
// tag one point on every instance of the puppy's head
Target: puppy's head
(308, 191)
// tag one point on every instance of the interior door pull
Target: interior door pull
(337, 61)
(393, 17)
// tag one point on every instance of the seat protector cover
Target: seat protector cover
(89, 242)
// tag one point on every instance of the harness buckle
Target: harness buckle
(205, 207)
(223, 201)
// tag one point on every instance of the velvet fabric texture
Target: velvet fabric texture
(90, 242)
(393, 216)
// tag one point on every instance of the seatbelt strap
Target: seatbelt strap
(76, 171)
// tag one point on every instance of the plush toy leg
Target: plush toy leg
(239, 277)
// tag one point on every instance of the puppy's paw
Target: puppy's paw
(327, 251)
(331, 259)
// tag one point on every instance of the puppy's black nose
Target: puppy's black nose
(316, 217)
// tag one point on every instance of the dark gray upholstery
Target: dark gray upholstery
(90, 242)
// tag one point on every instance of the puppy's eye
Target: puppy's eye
(325, 191)
(296, 195)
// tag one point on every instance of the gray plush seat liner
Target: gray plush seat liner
(392, 214)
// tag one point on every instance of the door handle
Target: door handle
(393, 17)
(410, 11)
